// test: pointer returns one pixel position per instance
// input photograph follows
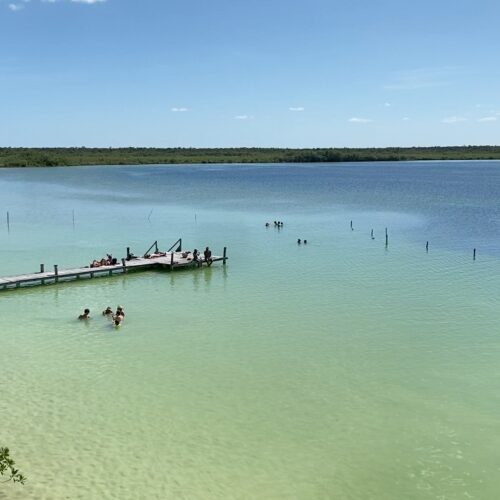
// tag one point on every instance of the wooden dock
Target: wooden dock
(170, 261)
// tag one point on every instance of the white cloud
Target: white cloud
(241, 117)
(296, 108)
(355, 119)
(406, 119)
(488, 119)
(178, 110)
(454, 119)
(387, 104)
(14, 7)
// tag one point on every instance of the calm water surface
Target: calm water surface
(337, 370)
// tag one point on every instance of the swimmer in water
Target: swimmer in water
(108, 312)
(85, 315)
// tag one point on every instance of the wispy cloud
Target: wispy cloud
(422, 78)
(14, 7)
(241, 117)
(406, 119)
(387, 104)
(296, 108)
(179, 110)
(454, 119)
(488, 119)
(356, 119)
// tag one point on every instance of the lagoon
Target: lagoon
(340, 369)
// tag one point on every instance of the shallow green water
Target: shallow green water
(340, 369)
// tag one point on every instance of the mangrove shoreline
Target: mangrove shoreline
(58, 157)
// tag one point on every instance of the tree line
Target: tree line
(55, 157)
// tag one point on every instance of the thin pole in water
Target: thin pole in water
(352, 229)
(373, 237)
(427, 247)
(386, 238)
(150, 213)
(8, 222)
(474, 254)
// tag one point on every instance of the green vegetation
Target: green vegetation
(7, 468)
(53, 157)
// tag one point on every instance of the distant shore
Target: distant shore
(59, 157)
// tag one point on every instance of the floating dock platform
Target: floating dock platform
(170, 261)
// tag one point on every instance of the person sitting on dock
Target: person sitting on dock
(107, 312)
(85, 315)
(95, 263)
(208, 256)
(196, 255)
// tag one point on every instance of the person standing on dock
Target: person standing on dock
(208, 256)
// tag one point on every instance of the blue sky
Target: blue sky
(313, 73)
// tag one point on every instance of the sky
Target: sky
(260, 73)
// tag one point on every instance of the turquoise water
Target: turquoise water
(340, 369)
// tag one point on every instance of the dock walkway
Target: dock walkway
(169, 262)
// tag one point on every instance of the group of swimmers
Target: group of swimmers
(117, 316)
(109, 260)
(277, 223)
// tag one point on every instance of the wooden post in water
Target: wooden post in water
(124, 265)
(8, 222)
(171, 260)
(56, 272)
(373, 237)
(427, 247)
(386, 238)
(42, 268)
(224, 256)
(352, 229)
(474, 254)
